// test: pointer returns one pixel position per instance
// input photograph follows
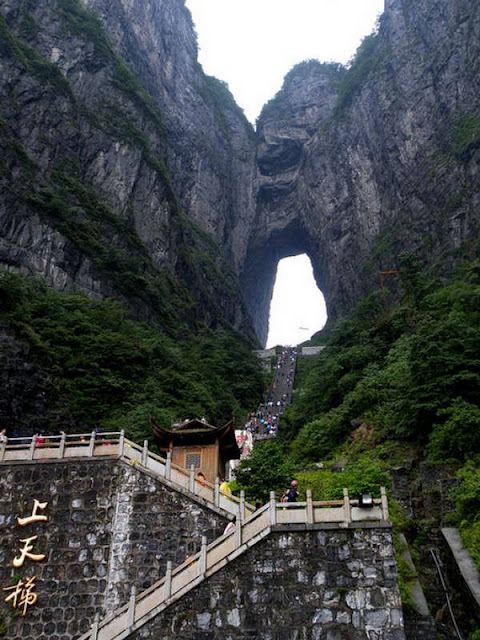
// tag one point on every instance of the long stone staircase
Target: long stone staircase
(251, 526)
(274, 516)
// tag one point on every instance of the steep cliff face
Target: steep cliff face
(108, 166)
(125, 168)
(358, 166)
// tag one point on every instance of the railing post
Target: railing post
(216, 499)
(310, 517)
(238, 534)
(383, 495)
(61, 448)
(121, 444)
(145, 453)
(168, 581)
(273, 508)
(242, 506)
(91, 447)
(191, 479)
(202, 564)
(346, 507)
(168, 466)
(131, 609)
(96, 622)
(31, 453)
(3, 448)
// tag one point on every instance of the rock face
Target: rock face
(126, 168)
(355, 167)
(115, 144)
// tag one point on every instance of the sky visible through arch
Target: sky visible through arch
(298, 308)
(252, 45)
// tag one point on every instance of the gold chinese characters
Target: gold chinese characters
(34, 518)
(22, 593)
(25, 553)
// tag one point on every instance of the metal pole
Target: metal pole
(444, 586)
(217, 492)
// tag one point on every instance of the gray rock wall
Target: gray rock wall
(352, 167)
(315, 585)
(109, 527)
(74, 121)
(355, 167)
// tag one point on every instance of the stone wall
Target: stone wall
(110, 526)
(330, 584)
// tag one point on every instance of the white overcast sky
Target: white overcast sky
(251, 45)
(298, 308)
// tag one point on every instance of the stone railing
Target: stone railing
(114, 444)
(213, 557)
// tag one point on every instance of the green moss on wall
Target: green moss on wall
(42, 70)
(465, 132)
(366, 60)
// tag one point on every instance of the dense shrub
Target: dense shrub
(467, 500)
(111, 371)
(267, 469)
(412, 369)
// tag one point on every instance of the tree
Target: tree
(267, 469)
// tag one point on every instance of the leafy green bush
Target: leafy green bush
(364, 474)
(467, 501)
(459, 434)
(267, 469)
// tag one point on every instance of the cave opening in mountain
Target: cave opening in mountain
(297, 309)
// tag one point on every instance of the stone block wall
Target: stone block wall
(332, 584)
(110, 526)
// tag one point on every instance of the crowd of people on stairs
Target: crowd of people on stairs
(264, 422)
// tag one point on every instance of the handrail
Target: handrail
(211, 558)
(114, 443)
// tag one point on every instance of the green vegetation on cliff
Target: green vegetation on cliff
(411, 369)
(40, 68)
(396, 382)
(365, 61)
(107, 370)
(200, 286)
